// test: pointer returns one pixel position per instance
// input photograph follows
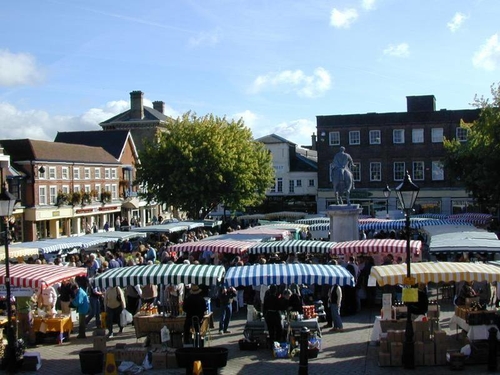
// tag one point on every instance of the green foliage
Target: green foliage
(476, 161)
(200, 162)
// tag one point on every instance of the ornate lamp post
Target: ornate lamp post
(387, 194)
(407, 193)
(7, 202)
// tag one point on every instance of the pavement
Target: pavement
(347, 352)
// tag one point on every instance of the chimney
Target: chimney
(313, 142)
(136, 106)
(421, 103)
(159, 106)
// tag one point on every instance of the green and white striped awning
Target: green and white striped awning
(161, 274)
(292, 246)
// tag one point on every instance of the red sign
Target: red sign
(84, 210)
(108, 208)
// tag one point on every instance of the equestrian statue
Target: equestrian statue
(341, 175)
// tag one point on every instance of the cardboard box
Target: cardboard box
(439, 336)
(32, 361)
(421, 326)
(384, 345)
(429, 358)
(384, 359)
(417, 336)
(159, 360)
(428, 346)
(118, 354)
(441, 357)
(171, 360)
(100, 343)
(396, 354)
(419, 353)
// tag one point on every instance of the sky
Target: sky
(277, 64)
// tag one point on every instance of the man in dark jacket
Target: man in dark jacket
(194, 306)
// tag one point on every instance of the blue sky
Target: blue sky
(68, 65)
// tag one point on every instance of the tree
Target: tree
(200, 162)
(476, 161)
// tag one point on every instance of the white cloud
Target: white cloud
(296, 131)
(343, 19)
(368, 4)
(400, 50)
(456, 21)
(205, 38)
(488, 56)
(296, 81)
(248, 117)
(18, 69)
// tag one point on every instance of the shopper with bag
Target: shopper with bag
(81, 302)
(115, 303)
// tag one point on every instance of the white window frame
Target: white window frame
(113, 174)
(375, 137)
(298, 183)
(418, 171)
(279, 185)
(42, 175)
(52, 194)
(291, 186)
(107, 173)
(461, 134)
(76, 173)
(114, 191)
(77, 188)
(375, 171)
(356, 171)
(42, 195)
(86, 173)
(311, 182)
(417, 135)
(398, 136)
(399, 170)
(98, 190)
(65, 173)
(107, 187)
(52, 173)
(65, 189)
(437, 171)
(334, 138)
(437, 135)
(354, 137)
(97, 173)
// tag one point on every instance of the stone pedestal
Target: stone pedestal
(344, 222)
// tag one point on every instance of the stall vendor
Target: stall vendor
(47, 300)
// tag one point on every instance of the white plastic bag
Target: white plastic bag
(165, 334)
(147, 364)
(43, 327)
(125, 318)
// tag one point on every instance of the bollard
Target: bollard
(492, 349)
(304, 344)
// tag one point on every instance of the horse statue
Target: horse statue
(341, 176)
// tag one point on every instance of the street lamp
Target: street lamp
(407, 193)
(7, 202)
(387, 194)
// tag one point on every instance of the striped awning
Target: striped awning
(436, 272)
(320, 230)
(314, 220)
(375, 246)
(292, 246)
(267, 274)
(469, 241)
(217, 246)
(55, 244)
(39, 275)
(116, 235)
(473, 218)
(19, 252)
(161, 274)
(415, 223)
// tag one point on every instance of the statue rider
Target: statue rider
(342, 160)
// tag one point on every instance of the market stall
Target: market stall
(216, 246)
(39, 275)
(375, 246)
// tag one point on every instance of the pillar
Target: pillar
(344, 222)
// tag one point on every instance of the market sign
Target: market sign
(16, 291)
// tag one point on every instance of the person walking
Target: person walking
(226, 296)
(95, 296)
(115, 303)
(81, 302)
(271, 309)
(335, 300)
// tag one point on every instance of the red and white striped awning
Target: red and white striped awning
(375, 246)
(39, 275)
(217, 246)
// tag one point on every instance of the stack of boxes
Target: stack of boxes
(309, 311)
(430, 347)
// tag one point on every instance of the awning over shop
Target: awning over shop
(320, 230)
(436, 272)
(39, 275)
(314, 220)
(415, 223)
(258, 233)
(374, 246)
(170, 227)
(292, 246)
(267, 274)
(117, 235)
(217, 246)
(161, 274)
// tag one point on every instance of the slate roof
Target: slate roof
(113, 141)
(150, 114)
(28, 149)
(273, 138)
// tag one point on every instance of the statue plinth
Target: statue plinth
(344, 222)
